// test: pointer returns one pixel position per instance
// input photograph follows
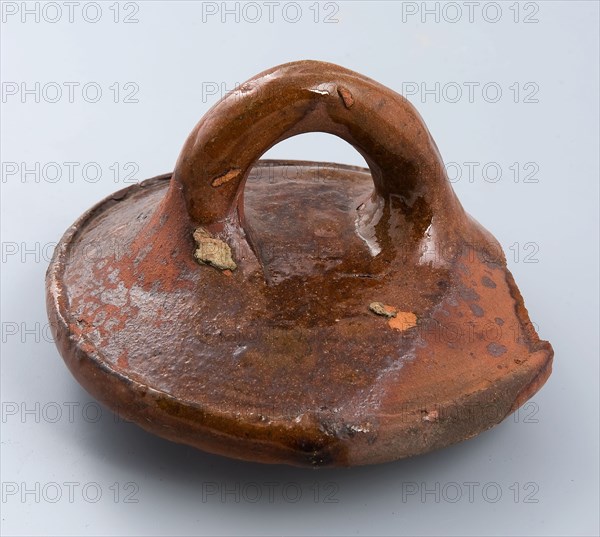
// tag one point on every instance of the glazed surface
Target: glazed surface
(288, 352)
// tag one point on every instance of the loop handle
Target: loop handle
(300, 97)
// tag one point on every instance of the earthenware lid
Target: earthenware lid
(297, 312)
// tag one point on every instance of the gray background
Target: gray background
(60, 450)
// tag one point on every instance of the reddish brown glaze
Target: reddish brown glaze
(283, 360)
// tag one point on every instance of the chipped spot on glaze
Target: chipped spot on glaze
(381, 309)
(226, 177)
(211, 251)
(346, 97)
(432, 415)
(403, 321)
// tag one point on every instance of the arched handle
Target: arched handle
(300, 97)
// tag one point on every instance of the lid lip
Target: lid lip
(337, 453)
(282, 162)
